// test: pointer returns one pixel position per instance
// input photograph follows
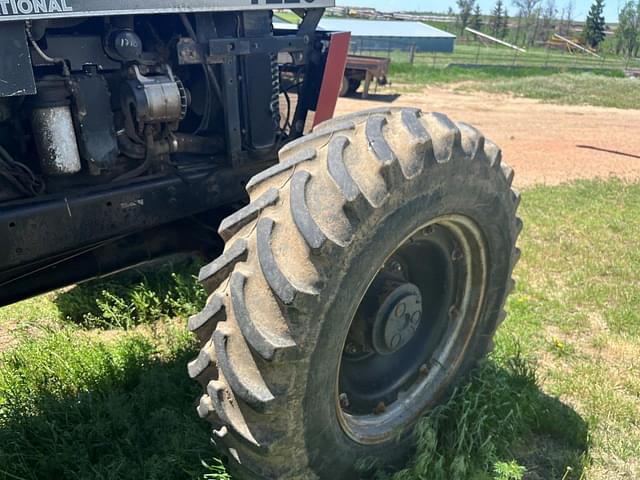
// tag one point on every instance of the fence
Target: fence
(478, 54)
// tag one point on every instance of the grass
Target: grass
(568, 89)
(425, 75)
(102, 397)
(73, 406)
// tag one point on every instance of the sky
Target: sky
(581, 7)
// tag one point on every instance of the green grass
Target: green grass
(425, 75)
(134, 298)
(73, 406)
(107, 396)
(568, 89)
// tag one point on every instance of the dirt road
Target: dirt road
(544, 143)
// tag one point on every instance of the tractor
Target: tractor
(357, 267)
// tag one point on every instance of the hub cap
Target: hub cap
(397, 319)
(411, 330)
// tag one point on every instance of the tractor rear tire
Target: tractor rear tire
(411, 204)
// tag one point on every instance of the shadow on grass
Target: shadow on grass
(134, 297)
(115, 412)
(498, 425)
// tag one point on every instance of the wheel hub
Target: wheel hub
(397, 319)
(404, 344)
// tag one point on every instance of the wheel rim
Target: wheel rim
(407, 340)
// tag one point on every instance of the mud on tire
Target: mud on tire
(300, 256)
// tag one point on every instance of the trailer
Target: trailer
(365, 69)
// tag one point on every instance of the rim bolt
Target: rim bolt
(453, 312)
(344, 400)
(456, 255)
(428, 230)
(395, 266)
(380, 409)
(351, 348)
(424, 369)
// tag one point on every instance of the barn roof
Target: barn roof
(383, 28)
(376, 28)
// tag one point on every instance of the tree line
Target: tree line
(535, 22)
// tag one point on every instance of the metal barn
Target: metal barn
(383, 35)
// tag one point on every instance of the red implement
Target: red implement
(333, 74)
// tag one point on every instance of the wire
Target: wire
(65, 68)
(210, 80)
(19, 175)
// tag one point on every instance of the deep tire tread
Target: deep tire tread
(264, 342)
(247, 384)
(204, 323)
(234, 223)
(213, 274)
(307, 226)
(305, 155)
(357, 160)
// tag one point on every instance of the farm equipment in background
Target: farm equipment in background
(364, 69)
(355, 273)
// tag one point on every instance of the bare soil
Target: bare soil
(544, 143)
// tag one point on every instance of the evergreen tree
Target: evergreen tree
(476, 21)
(593, 33)
(497, 19)
(505, 25)
(465, 8)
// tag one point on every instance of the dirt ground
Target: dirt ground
(544, 143)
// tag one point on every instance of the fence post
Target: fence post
(546, 59)
(412, 54)
(478, 53)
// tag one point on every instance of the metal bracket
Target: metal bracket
(220, 49)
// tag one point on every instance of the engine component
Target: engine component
(123, 45)
(94, 118)
(53, 130)
(154, 99)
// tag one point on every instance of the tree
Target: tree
(567, 18)
(593, 33)
(476, 21)
(528, 14)
(628, 32)
(547, 24)
(497, 19)
(465, 8)
(505, 25)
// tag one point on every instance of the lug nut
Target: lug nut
(380, 409)
(453, 312)
(428, 230)
(344, 400)
(456, 255)
(351, 348)
(424, 370)
(395, 266)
